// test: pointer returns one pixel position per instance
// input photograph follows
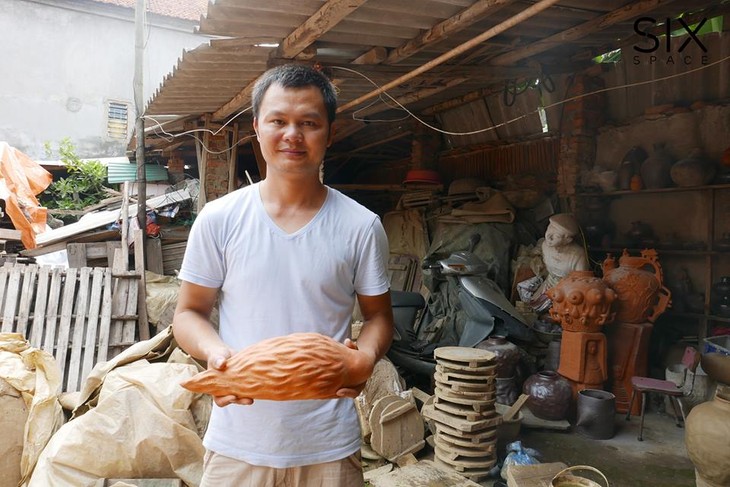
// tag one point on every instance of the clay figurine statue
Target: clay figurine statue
(560, 253)
(292, 367)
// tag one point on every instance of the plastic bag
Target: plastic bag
(519, 456)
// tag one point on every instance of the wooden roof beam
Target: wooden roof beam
(444, 29)
(579, 31)
(329, 15)
(528, 12)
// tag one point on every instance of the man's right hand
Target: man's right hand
(217, 359)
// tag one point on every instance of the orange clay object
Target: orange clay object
(292, 367)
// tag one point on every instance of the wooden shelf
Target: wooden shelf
(659, 190)
(698, 316)
(619, 250)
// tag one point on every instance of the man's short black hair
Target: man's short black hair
(295, 76)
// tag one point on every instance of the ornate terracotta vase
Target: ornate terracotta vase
(291, 367)
(707, 437)
(550, 395)
(641, 294)
(582, 302)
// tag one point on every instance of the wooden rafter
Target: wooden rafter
(442, 30)
(329, 15)
(582, 30)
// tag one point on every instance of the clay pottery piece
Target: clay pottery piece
(638, 282)
(292, 367)
(581, 302)
(693, 170)
(636, 184)
(506, 390)
(507, 354)
(655, 171)
(639, 233)
(595, 416)
(550, 395)
(707, 438)
(630, 165)
(720, 297)
(717, 366)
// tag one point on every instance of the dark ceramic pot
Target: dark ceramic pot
(508, 355)
(550, 395)
(596, 411)
(655, 171)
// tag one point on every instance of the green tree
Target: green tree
(84, 185)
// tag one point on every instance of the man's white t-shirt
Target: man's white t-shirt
(271, 284)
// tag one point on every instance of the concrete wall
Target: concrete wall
(63, 60)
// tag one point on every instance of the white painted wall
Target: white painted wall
(61, 61)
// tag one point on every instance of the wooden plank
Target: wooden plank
(9, 234)
(119, 300)
(142, 324)
(96, 250)
(153, 255)
(76, 253)
(26, 298)
(64, 325)
(95, 305)
(11, 299)
(110, 247)
(79, 330)
(4, 275)
(39, 308)
(106, 317)
(54, 295)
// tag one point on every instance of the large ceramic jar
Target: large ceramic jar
(508, 355)
(581, 302)
(638, 282)
(720, 297)
(693, 170)
(550, 395)
(707, 437)
(655, 171)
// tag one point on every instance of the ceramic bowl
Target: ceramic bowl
(717, 366)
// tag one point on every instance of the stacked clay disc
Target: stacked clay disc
(463, 411)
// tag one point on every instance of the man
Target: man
(285, 255)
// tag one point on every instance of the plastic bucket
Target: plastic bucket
(565, 478)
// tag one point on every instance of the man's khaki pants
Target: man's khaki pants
(222, 471)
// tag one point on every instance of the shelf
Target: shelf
(697, 316)
(619, 250)
(659, 190)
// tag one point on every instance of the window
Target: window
(116, 120)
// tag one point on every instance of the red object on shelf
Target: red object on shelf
(423, 176)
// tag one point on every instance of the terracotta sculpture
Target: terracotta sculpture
(638, 281)
(583, 360)
(582, 302)
(560, 253)
(291, 367)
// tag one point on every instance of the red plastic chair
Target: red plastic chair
(668, 388)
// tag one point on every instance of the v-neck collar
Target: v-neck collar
(276, 228)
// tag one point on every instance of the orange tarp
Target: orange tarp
(21, 179)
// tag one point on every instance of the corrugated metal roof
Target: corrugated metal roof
(364, 43)
(120, 172)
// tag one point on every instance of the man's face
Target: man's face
(292, 129)
(557, 237)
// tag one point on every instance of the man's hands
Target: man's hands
(217, 359)
(354, 391)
